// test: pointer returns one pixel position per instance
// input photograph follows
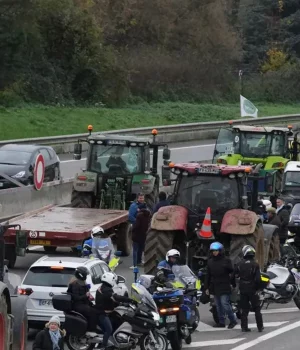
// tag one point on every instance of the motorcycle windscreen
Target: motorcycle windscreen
(139, 292)
(184, 274)
(103, 248)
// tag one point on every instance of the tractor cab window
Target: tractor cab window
(200, 192)
(260, 145)
(116, 159)
(292, 178)
(224, 144)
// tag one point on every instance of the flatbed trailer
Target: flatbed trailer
(58, 226)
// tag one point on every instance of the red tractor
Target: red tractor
(234, 221)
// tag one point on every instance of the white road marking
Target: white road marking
(220, 342)
(160, 150)
(279, 311)
(267, 336)
(203, 327)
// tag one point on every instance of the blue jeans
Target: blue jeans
(138, 249)
(106, 326)
(224, 308)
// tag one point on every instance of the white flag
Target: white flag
(247, 108)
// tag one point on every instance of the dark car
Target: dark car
(17, 161)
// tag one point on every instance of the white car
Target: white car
(51, 275)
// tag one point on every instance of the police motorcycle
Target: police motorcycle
(282, 282)
(293, 241)
(100, 246)
(177, 301)
(134, 325)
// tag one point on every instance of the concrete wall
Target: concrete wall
(20, 200)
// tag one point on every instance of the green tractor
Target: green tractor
(118, 168)
(270, 146)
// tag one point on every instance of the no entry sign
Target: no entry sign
(39, 172)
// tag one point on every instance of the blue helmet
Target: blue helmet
(216, 246)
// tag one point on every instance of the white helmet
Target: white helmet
(109, 278)
(267, 203)
(97, 231)
(173, 252)
(248, 250)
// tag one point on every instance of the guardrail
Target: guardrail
(171, 131)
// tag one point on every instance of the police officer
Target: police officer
(249, 273)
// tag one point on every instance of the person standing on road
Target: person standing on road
(218, 283)
(284, 216)
(273, 218)
(163, 202)
(50, 338)
(135, 207)
(249, 273)
(139, 233)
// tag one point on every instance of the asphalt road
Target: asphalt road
(181, 152)
(278, 320)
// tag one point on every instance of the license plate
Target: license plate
(171, 319)
(45, 302)
(38, 242)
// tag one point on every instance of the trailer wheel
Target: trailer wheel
(19, 311)
(81, 199)
(10, 255)
(50, 249)
(4, 325)
(124, 241)
(157, 245)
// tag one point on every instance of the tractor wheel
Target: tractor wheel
(19, 311)
(274, 249)
(124, 241)
(4, 325)
(157, 245)
(151, 198)
(81, 199)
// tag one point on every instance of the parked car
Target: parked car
(51, 275)
(17, 161)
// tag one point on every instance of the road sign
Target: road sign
(39, 172)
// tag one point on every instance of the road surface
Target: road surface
(181, 152)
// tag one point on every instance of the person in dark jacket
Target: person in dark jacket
(218, 283)
(273, 219)
(50, 338)
(81, 297)
(106, 301)
(163, 202)
(135, 207)
(139, 232)
(249, 273)
(284, 216)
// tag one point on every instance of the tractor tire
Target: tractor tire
(10, 255)
(156, 247)
(152, 198)
(19, 311)
(124, 239)
(81, 200)
(4, 325)
(274, 249)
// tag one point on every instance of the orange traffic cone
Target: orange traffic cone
(205, 231)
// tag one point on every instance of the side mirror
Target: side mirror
(166, 153)
(77, 151)
(121, 279)
(31, 168)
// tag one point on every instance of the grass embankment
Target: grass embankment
(41, 121)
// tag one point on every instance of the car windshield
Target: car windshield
(199, 192)
(183, 273)
(46, 276)
(116, 159)
(292, 178)
(144, 295)
(259, 145)
(14, 157)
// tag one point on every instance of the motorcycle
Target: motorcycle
(283, 283)
(178, 303)
(102, 248)
(134, 325)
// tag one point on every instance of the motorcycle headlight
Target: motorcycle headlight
(155, 315)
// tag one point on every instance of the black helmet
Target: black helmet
(81, 273)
